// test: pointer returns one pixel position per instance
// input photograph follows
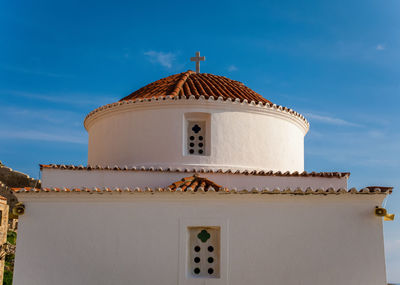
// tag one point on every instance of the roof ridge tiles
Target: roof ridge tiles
(209, 189)
(192, 87)
(180, 83)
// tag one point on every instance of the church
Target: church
(196, 179)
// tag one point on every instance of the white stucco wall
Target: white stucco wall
(121, 179)
(124, 238)
(239, 136)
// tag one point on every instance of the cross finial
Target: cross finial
(197, 59)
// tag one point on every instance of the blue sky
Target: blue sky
(336, 62)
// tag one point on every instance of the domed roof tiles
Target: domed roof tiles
(190, 83)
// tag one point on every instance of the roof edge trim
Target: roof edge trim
(291, 191)
(197, 170)
(172, 99)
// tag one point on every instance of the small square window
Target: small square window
(196, 138)
(204, 252)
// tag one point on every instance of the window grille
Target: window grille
(204, 252)
(196, 138)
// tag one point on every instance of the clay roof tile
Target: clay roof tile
(195, 182)
(191, 83)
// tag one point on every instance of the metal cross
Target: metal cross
(197, 59)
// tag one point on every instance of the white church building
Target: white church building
(195, 179)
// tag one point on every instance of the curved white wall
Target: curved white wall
(240, 136)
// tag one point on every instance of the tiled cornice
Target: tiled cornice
(197, 170)
(246, 105)
(209, 190)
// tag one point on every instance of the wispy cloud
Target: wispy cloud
(377, 134)
(22, 115)
(43, 136)
(331, 120)
(165, 59)
(356, 147)
(34, 71)
(232, 68)
(65, 98)
(380, 47)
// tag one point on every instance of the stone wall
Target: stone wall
(10, 178)
(3, 234)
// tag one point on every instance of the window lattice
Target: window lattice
(204, 248)
(196, 138)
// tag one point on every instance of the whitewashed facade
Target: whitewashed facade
(238, 135)
(263, 220)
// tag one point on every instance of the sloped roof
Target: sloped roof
(194, 183)
(190, 83)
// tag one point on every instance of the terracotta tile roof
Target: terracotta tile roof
(194, 183)
(383, 188)
(201, 170)
(190, 83)
(210, 190)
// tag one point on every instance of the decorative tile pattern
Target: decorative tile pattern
(199, 170)
(258, 105)
(210, 190)
(194, 183)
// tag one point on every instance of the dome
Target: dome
(190, 83)
(196, 121)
